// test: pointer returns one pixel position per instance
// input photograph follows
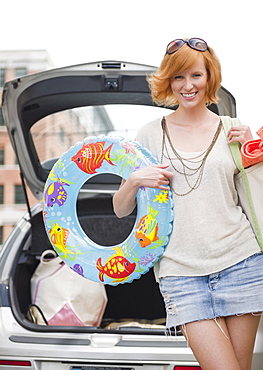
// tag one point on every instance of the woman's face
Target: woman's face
(189, 87)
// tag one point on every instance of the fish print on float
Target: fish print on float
(56, 193)
(116, 267)
(147, 229)
(58, 237)
(90, 157)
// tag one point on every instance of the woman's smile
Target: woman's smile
(189, 95)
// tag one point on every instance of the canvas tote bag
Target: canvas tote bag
(249, 184)
(63, 297)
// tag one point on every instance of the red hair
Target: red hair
(175, 64)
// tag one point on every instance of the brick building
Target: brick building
(64, 127)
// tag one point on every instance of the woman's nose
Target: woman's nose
(188, 84)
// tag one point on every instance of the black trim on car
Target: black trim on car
(4, 298)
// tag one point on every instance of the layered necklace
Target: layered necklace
(189, 166)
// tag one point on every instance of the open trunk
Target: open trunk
(139, 302)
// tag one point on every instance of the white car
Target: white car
(52, 110)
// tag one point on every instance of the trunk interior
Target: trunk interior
(139, 301)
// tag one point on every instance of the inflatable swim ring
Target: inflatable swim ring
(135, 255)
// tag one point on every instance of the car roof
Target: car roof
(28, 99)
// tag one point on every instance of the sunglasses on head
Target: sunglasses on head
(194, 43)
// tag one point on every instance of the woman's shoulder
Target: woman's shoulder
(150, 135)
(149, 128)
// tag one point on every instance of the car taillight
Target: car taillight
(15, 363)
(187, 368)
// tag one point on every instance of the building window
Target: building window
(20, 72)
(1, 235)
(2, 152)
(1, 194)
(19, 195)
(2, 123)
(2, 77)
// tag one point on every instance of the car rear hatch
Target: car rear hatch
(29, 99)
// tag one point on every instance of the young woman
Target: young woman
(211, 272)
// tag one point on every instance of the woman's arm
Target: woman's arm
(155, 176)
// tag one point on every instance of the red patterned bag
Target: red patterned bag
(252, 151)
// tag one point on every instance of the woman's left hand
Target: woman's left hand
(240, 134)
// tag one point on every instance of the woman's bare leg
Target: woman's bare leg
(242, 330)
(224, 343)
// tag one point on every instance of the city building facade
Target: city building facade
(63, 128)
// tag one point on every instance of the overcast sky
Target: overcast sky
(81, 31)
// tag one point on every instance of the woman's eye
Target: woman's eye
(197, 75)
(178, 77)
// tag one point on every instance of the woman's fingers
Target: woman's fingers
(154, 176)
(240, 134)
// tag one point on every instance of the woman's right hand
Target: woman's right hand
(154, 176)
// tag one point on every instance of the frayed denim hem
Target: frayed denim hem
(182, 330)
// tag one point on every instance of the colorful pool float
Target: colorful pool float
(146, 243)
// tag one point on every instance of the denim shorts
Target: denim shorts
(235, 290)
